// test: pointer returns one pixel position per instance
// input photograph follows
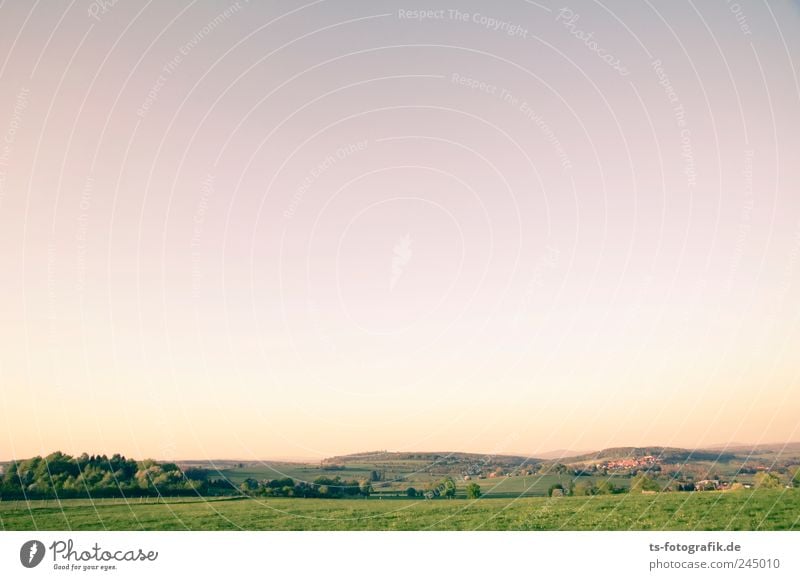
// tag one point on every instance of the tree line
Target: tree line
(321, 487)
(64, 476)
(59, 475)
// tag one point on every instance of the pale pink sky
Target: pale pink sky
(231, 230)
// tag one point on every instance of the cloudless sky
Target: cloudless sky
(298, 230)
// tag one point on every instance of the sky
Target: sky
(296, 230)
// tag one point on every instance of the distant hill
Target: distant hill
(562, 453)
(665, 454)
(745, 448)
(440, 457)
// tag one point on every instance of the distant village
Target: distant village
(645, 462)
(684, 476)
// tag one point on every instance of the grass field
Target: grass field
(761, 510)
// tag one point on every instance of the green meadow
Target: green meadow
(741, 510)
(501, 487)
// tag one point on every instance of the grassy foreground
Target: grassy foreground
(761, 510)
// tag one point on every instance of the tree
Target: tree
(445, 488)
(411, 492)
(766, 480)
(553, 488)
(643, 482)
(249, 485)
(606, 487)
(448, 488)
(796, 478)
(473, 491)
(281, 483)
(583, 487)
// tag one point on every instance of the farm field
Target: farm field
(398, 481)
(743, 510)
